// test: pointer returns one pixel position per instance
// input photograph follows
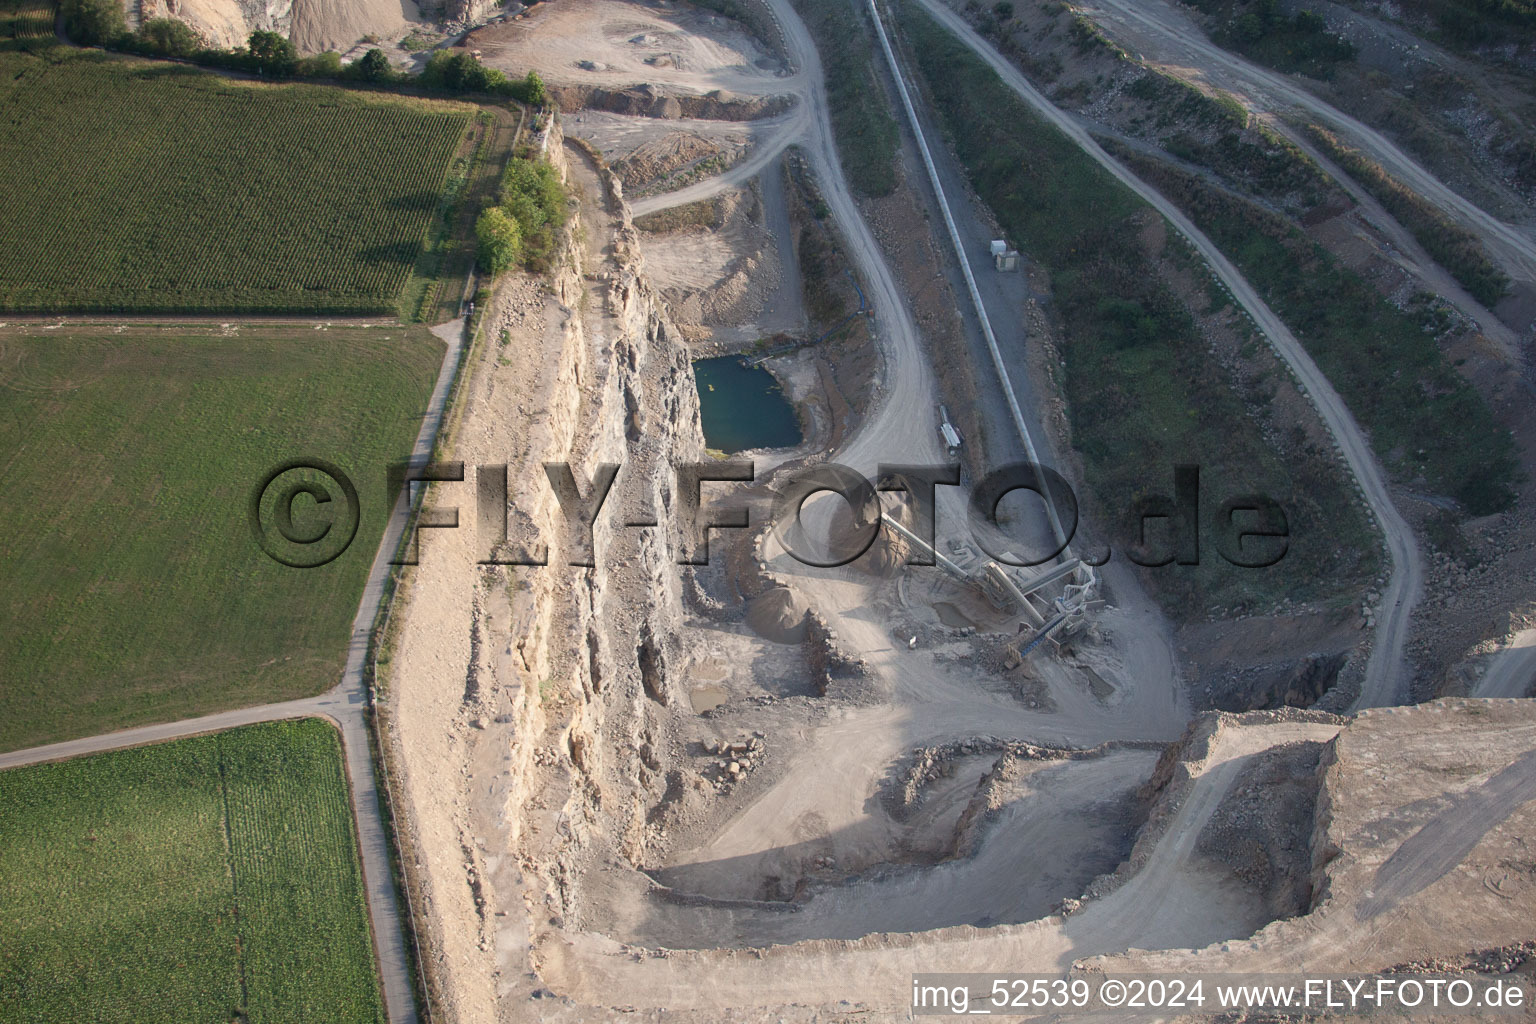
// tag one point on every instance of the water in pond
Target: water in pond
(707, 698)
(743, 407)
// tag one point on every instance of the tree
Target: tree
(501, 241)
(272, 54)
(461, 72)
(94, 22)
(321, 65)
(533, 90)
(374, 67)
(169, 37)
(442, 72)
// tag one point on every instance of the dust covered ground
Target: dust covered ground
(756, 789)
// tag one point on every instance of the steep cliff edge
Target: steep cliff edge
(530, 707)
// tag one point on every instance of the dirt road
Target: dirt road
(1175, 901)
(1513, 672)
(786, 129)
(344, 704)
(1410, 253)
(1167, 37)
(1386, 675)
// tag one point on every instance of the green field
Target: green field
(25, 20)
(152, 187)
(211, 879)
(131, 587)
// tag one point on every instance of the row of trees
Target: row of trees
(520, 228)
(101, 23)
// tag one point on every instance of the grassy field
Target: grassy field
(436, 287)
(160, 188)
(861, 121)
(131, 587)
(1143, 392)
(212, 879)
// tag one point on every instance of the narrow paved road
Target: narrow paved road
(1386, 675)
(964, 260)
(345, 704)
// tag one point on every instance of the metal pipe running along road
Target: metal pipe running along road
(970, 279)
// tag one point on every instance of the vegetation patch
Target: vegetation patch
(132, 588)
(1294, 43)
(211, 879)
(1452, 246)
(706, 213)
(436, 289)
(25, 21)
(1144, 393)
(160, 188)
(1470, 23)
(530, 208)
(1176, 100)
(861, 119)
(1260, 162)
(1425, 421)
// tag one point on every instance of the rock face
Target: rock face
(314, 26)
(320, 25)
(1299, 683)
(223, 23)
(649, 101)
(1419, 845)
(533, 709)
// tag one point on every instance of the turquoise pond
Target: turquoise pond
(743, 407)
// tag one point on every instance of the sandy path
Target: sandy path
(1173, 902)
(1060, 829)
(1386, 675)
(784, 130)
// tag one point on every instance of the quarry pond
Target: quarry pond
(743, 407)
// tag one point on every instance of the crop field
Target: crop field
(161, 188)
(25, 19)
(132, 589)
(211, 879)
